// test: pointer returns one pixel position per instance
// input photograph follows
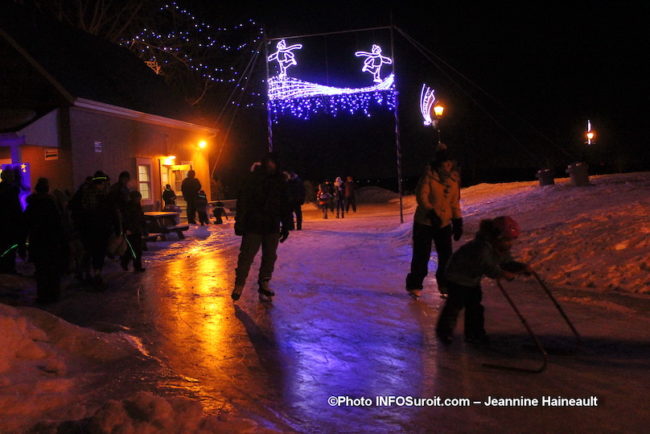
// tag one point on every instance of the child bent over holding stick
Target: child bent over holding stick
(487, 254)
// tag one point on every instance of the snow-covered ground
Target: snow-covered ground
(169, 351)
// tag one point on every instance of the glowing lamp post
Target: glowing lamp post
(590, 134)
(438, 110)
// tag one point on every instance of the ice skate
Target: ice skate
(265, 292)
(236, 293)
(415, 293)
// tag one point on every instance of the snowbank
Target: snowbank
(41, 357)
(148, 413)
(595, 237)
(375, 195)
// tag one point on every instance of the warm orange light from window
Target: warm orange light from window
(168, 161)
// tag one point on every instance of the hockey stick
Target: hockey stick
(538, 344)
(557, 304)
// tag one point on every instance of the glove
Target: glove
(457, 228)
(239, 229)
(435, 220)
(284, 234)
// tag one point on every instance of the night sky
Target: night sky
(542, 72)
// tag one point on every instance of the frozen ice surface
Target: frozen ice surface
(168, 350)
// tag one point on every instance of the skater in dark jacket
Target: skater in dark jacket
(296, 191)
(97, 219)
(350, 194)
(47, 244)
(169, 197)
(339, 197)
(119, 194)
(201, 203)
(134, 229)
(263, 219)
(219, 212)
(488, 254)
(190, 188)
(11, 221)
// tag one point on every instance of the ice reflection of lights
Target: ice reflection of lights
(191, 312)
(427, 98)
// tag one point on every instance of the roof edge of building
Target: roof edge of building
(126, 113)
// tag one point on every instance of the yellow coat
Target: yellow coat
(442, 197)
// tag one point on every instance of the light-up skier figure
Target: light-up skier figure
(285, 57)
(373, 62)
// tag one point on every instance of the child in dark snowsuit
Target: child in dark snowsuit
(219, 212)
(134, 230)
(487, 254)
(201, 203)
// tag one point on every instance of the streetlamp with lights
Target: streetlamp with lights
(590, 134)
(438, 110)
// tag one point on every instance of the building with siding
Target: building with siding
(72, 103)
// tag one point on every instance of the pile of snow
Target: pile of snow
(148, 413)
(375, 195)
(595, 237)
(41, 358)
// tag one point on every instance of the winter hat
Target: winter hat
(42, 185)
(441, 155)
(99, 177)
(507, 227)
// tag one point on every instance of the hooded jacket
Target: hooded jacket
(438, 195)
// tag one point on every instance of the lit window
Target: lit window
(144, 180)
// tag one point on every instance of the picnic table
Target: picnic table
(160, 223)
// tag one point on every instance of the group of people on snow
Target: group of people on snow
(339, 196)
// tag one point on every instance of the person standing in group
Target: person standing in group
(190, 188)
(219, 212)
(11, 221)
(169, 198)
(350, 194)
(134, 229)
(202, 208)
(323, 197)
(296, 191)
(97, 220)
(47, 244)
(437, 217)
(263, 219)
(119, 192)
(339, 197)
